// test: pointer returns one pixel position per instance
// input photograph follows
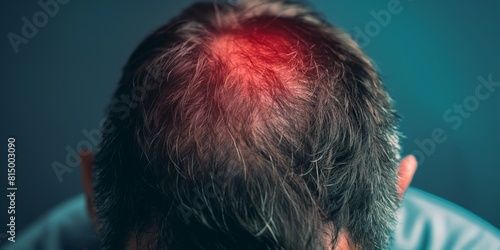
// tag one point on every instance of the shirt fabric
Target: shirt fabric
(424, 222)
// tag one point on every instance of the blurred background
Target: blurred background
(436, 58)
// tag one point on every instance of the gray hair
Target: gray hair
(262, 127)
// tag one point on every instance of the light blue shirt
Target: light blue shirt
(424, 222)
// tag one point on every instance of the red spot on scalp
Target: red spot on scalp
(259, 60)
(263, 71)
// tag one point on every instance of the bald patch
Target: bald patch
(264, 75)
(259, 61)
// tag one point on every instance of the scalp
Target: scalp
(264, 67)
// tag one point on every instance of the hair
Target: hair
(247, 125)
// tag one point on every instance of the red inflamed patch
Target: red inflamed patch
(260, 59)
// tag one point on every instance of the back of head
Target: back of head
(253, 125)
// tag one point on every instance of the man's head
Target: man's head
(253, 125)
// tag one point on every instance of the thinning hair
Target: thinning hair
(253, 125)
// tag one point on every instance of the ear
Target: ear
(86, 161)
(407, 168)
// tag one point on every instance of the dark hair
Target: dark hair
(250, 125)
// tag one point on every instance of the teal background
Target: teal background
(430, 55)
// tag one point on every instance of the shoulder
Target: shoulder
(428, 222)
(425, 222)
(67, 226)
